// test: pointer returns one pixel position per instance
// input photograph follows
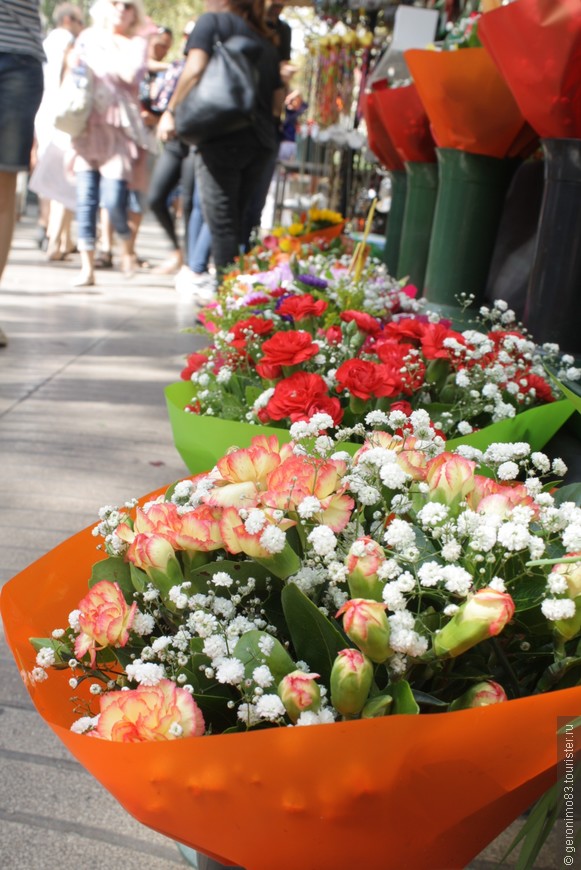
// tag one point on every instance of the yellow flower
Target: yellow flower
(296, 229)
(325, 215)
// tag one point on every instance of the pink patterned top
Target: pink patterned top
(115, 137)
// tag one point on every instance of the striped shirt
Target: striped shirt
(20, 28)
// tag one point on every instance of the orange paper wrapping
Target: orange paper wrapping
(379, 140)
(469, 105)
(403, 116)
(327, 234)
(536, 45)
(426, 791)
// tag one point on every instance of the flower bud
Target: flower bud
(351, 678)
(482, 616)
(298, 692)
(450, 478)
(365, 623)
(570, 628)
(378, 706)
(480, 695)
(363, 560)
(150, 551)
(571, 571)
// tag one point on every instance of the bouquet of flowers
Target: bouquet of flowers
(278, 356)
(296, 586)
(316, 225)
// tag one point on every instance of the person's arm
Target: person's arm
(196, 63)
(278, 102)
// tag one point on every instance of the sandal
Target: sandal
(103, 260)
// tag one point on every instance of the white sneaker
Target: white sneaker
(200, 288)
(204, 293)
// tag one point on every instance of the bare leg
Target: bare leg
(7, 219)
(7, 214)
(66, 241)
(106, 236)
(128, 258)
(55, 229)
(87, 274)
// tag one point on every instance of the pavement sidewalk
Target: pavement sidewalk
(83, 424)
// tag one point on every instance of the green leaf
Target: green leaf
(248, 651)
(166, 580)
(403, 698)
(555, 674)
(115, 570)
(240, 572)
(251, 394)
(428, 700)
(139, 578)
(283, 564)
(315, 638)
(63, 652)
(437, 372)
(528, 591)
(571, 492)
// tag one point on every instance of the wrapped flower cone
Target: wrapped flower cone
(327, 796)
(536, 45)
(475, 122)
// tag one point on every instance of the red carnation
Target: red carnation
(269, 371)
(365, 322)
(360, 378)
(402, 405)
(333, 334)
(194, 362)
(433, 339)
(293, 396)
(403, 369)
(288, 348)
(255, 325)
(407, 327)
(301, 307)
(542, 388)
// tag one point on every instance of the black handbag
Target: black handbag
(224, 99)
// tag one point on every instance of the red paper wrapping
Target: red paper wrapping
(418, 792)
(536, 45)
(379, 139)
(469, 105)
(404, 118)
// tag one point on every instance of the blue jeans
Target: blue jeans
(92, 189)
(199, 237)
(21, 84)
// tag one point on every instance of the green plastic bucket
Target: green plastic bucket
(418, 218)
(471, 194)
(395, 220)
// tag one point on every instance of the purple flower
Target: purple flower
(313, 281)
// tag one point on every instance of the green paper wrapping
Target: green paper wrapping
(537, 426)
(574, 398)
(202, 440)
